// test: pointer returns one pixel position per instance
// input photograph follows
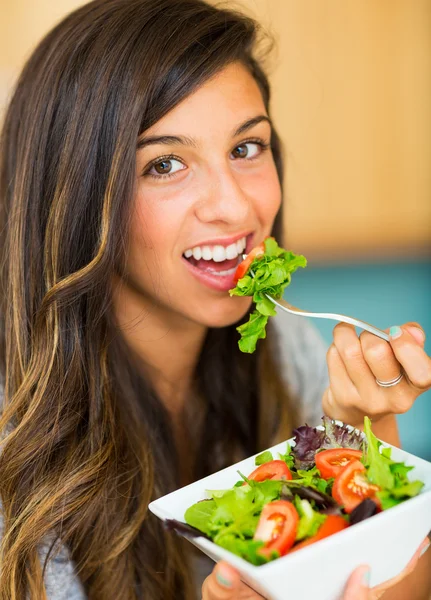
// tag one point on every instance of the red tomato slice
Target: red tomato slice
(333, 524)
(244, 266)
(351, 486)
(274, 469)
(277, 527)
(331, 462)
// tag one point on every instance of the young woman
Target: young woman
(140, 129)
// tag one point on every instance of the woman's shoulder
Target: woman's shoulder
(301, 356)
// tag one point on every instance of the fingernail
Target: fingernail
(395, 332)
(417, 333)
(366, 579)
(223, 577)
(424, 549)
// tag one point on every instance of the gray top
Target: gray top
(302, 359)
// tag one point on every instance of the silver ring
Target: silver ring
(390, 383)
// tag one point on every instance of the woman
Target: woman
(140, 130)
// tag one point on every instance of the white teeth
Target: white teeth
(223, 273)
(207, 253)
(197, 253)
(231, 251)
(217, 253)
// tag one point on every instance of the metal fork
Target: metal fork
(332, 316)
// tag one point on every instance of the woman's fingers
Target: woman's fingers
(341, 400)
(378, 591)
(354, 365)
(417, 332)
(410, 353)
(224, 583)
(357, 587)
(379, 357)
(364, 360)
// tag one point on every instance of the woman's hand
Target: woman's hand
(355, 363)
(357, 586)
(224, 583)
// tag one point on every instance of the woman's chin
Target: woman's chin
(226, 313)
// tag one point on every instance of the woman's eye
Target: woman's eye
(167, 166)
(247, 150)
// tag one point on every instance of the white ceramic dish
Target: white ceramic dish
(386, 541)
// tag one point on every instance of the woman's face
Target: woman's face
(207, 191)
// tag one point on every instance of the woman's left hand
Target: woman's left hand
(354, 364)
(357, 586)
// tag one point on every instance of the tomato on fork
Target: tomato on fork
(244, 266)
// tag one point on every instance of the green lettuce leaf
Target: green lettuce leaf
(311, 478)
(272, 273)
(309, 519)
(389, 475)
(377, 464)
(263, 458)
(245, 548)
(288, 457)
(199, 515)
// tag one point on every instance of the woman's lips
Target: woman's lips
(216, 275)
(212, 266)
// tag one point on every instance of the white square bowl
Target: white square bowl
(386, 541)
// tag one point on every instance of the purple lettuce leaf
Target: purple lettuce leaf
(339, 436)
(308, 440)
(184, 529)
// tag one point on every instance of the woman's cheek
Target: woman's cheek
(267, 195)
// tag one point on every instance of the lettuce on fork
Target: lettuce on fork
(271, 275)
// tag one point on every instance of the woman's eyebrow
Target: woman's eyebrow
(251, 123)
(184, 140)
(176, 140)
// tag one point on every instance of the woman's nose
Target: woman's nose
(224, 199)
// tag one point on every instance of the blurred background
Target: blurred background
(351, 100)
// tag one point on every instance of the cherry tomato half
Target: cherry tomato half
(331, 462)
(277, 527)
(274, 469)
(333, 524)
(351, 486)
(244, 266)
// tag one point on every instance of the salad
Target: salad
(272, 267)
(330, 479)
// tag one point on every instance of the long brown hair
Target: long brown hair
(87, 442)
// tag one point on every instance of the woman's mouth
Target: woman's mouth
(215, 265)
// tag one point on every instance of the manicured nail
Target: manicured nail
(418, 334)
(223, 577)
(366, 579)
(395, 332)
(424, 549)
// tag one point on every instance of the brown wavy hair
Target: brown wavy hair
(87, 444)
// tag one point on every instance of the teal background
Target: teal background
(383, 295)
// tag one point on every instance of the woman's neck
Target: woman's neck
(167, 344)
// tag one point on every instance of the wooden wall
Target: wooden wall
(352, 98)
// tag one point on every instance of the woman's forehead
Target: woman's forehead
(219, 106)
